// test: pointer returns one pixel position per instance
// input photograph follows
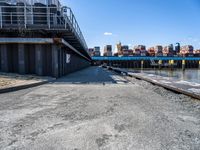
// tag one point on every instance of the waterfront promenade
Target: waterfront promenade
(97, 109)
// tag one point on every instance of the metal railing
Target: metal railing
(31, 16)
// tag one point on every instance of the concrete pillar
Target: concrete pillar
(21, 59)
(38, 60)
(4, 58)
(55, 69)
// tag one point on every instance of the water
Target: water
(190, 75)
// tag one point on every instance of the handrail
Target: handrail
(27, 15)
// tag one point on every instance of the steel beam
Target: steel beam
(4, 58)
(21, 59)
(55, 69)
(26, 41)
(38, 60)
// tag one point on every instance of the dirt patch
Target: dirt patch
(10, 79)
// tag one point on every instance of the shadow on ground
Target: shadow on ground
(91, 75)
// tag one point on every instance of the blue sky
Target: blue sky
(133, 22)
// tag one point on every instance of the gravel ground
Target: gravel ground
(95, 109)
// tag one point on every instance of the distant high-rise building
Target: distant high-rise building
(97, 51)
(177, 48)
(140, 50)
(125, 50)
(108, 50)
(168, 50)
(187, 50)
(91, 51)
(158, 50)
(119, 48)
(125, 47)
(171, 48)
(151, 51)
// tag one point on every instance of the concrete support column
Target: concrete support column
(55, 69)
(4, 58)
(38, 60)
(21, 59)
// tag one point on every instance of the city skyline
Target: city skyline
(135, 22)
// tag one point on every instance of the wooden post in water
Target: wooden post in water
(169, 64)
(172, 64)
(159, 64)
(142, 64)
(199, 64)
(183, 65)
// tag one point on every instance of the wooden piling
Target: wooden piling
(199, 64)
(142, 64)
(159, 64)
(183, 65)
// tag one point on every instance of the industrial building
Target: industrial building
(40, 37)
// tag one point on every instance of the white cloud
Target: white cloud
(108, 34)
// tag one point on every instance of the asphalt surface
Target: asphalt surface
(95, 109)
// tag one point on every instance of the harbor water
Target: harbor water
(190, 75)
